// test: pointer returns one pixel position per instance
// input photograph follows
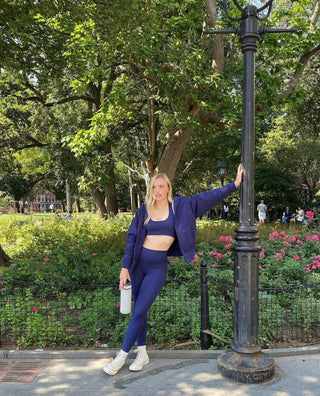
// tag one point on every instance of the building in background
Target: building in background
(44, 201)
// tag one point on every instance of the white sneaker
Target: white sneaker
(140, 361)
(113, 367)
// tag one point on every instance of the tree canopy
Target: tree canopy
(92, 88)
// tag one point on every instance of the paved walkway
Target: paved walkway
(170, 373)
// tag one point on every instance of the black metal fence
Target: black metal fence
(188, 313)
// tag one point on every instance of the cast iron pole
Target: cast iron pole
(245, 362)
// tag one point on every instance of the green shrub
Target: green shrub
(305, 313)
(88, 251)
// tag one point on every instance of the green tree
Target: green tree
(144, 69)
(293, 143)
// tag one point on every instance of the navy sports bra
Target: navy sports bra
(162, 227)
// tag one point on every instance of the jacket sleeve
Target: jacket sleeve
(204, 201)
(131, 241)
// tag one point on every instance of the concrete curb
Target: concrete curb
(154, 354)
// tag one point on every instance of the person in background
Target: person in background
(288, 214)
(262, 212)
(163, 226)
(299, 216)
(225, 211)
(67, 216)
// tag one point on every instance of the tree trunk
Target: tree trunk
(171, 155)
(17, 205)
(211, 19)
(110, 202)
(78, 205)
(4, 258)
(99, 201)
(68, 197)
(132, 195)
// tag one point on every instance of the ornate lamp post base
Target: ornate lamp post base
(248, 369)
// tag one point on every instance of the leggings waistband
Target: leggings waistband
(153, 255)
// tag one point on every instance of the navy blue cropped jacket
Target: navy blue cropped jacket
(186, 210)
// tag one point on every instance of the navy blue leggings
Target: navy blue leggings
(147, 280)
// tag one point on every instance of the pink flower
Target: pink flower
(315, 264)
(214, 265)
(177, 258)
(296, 257)
(201, 253)
(309, 213)
(34, 309)
(1, 282)
(262, 254)
(296, 231)
(171, 261)
(46, 259)
(260, 266)
(228, 246)
(94, 254)
(278, 255)
(274, 235)
(308, 237)
(225, 238)
(307, 268)
(219, 256)
(232, 263)
(118, 305)
(315, 237)
(212, 253)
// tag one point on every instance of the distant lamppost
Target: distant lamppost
(244, 361)
(222, 172)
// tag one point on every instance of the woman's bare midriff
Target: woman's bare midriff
(158, 242)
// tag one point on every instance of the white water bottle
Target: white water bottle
(125, 299)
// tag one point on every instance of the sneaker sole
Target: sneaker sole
(139, 368)
(110, 372)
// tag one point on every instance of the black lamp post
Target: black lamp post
(245, 362)
(222, 172)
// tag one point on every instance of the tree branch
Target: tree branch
(303, 62)
(304, 59)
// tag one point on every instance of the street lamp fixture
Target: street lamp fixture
(222, 171)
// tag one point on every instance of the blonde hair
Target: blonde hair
(150, 201)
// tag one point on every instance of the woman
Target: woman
(162, 227)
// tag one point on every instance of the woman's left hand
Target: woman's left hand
(238, 179)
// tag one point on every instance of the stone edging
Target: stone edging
(161, 354)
